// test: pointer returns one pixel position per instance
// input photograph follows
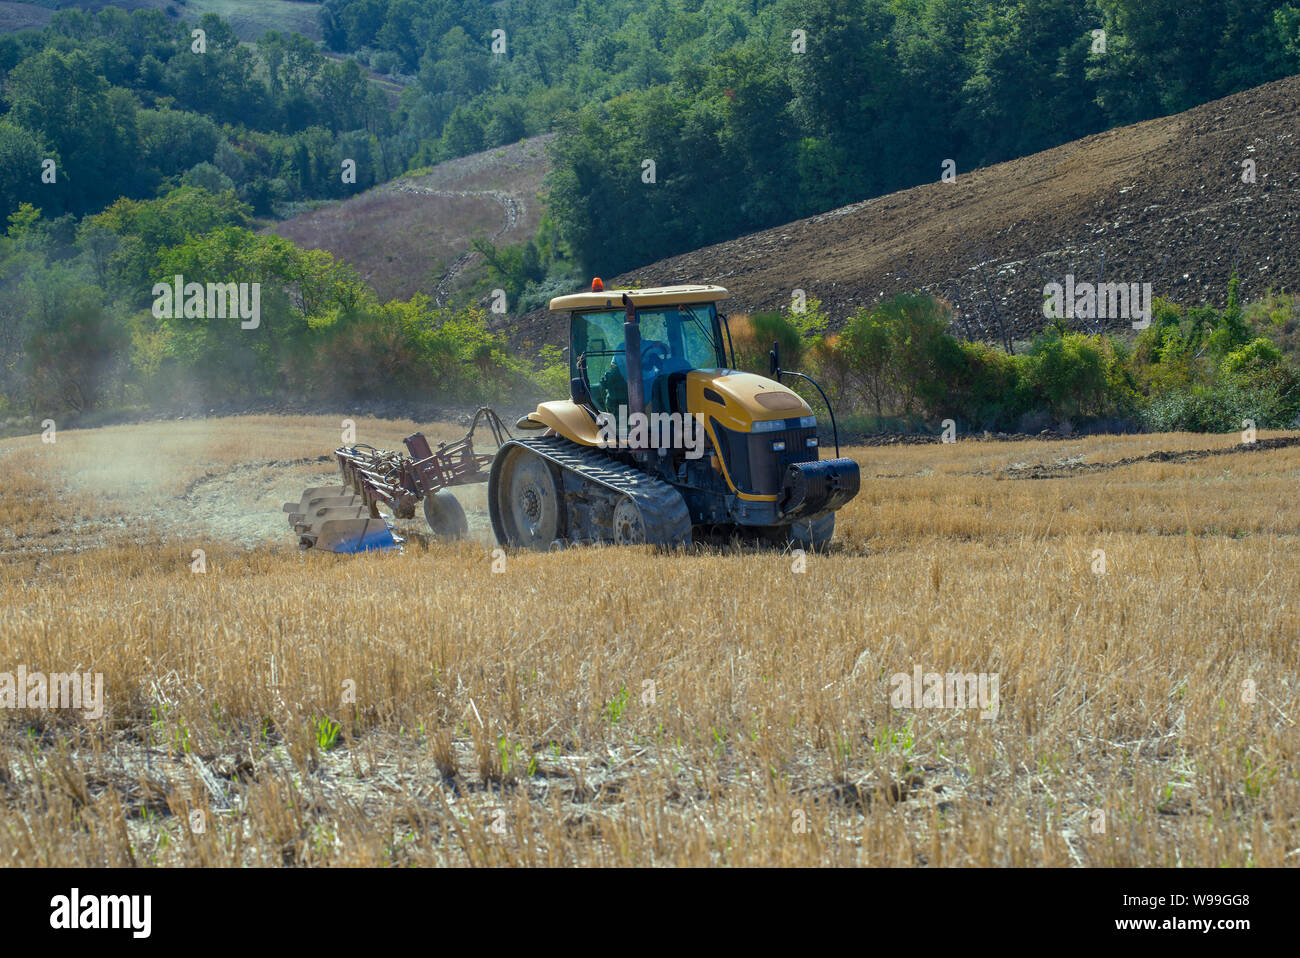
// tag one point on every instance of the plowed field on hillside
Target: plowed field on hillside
(1160, 202)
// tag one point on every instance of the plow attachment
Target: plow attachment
(334, 519)
(346, 518)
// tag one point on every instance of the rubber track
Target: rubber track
(664, 514)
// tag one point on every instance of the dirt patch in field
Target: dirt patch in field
(1075, 466)
(244, 505)
(206, 483)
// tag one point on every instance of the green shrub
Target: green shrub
(766, 328)
(74, 346)
(539, 295)
(989, 391)
(1223, 408)
(862, 351)
(552, 377)
(900, 354)
(1079, 377)
(1230, 329)
(1260, 355)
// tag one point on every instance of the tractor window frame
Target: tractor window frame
(613, 319)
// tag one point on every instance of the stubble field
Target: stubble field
(724, 705)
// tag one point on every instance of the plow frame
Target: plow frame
(391, 479)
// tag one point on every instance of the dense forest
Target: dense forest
(131, 105)
(137, 146)
(756, 112)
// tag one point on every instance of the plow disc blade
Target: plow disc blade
(318, 507)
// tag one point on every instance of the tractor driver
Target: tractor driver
(612, 388)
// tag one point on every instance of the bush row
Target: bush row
(81, 328)
(898, 364)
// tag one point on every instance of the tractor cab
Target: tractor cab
(672, 330)
(674, 339)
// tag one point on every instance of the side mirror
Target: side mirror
(774, 361)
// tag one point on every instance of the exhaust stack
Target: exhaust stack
(632, 348)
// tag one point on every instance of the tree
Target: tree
(59, 98)
(342, 89)
(1027, 89)
(843, 81)
(1169, 56)
(864, 345)
(74, 348)
(464, 133)
(174, 140)
(507, 123)
(21, 156)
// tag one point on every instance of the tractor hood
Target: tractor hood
(738, 399)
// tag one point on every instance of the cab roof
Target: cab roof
(654, 296)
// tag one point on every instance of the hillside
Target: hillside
(1160, 202)
(248, 18)
(22, 16)
(413, 234)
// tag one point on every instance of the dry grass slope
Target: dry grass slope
(248, 18)
(22, 16)
(404, 236)
(420, 708)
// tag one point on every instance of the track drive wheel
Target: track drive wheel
(529, 505)
(629, 525)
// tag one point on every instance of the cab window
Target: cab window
(673, 339)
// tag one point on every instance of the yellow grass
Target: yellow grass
(628, 707)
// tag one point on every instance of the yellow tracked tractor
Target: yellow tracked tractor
(660, 435)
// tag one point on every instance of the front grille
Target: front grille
(750, 461)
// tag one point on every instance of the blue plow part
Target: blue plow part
(372, 540)
(349, 536)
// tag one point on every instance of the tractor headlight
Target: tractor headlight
(778, 446)
(810, 441)
(776, 425)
